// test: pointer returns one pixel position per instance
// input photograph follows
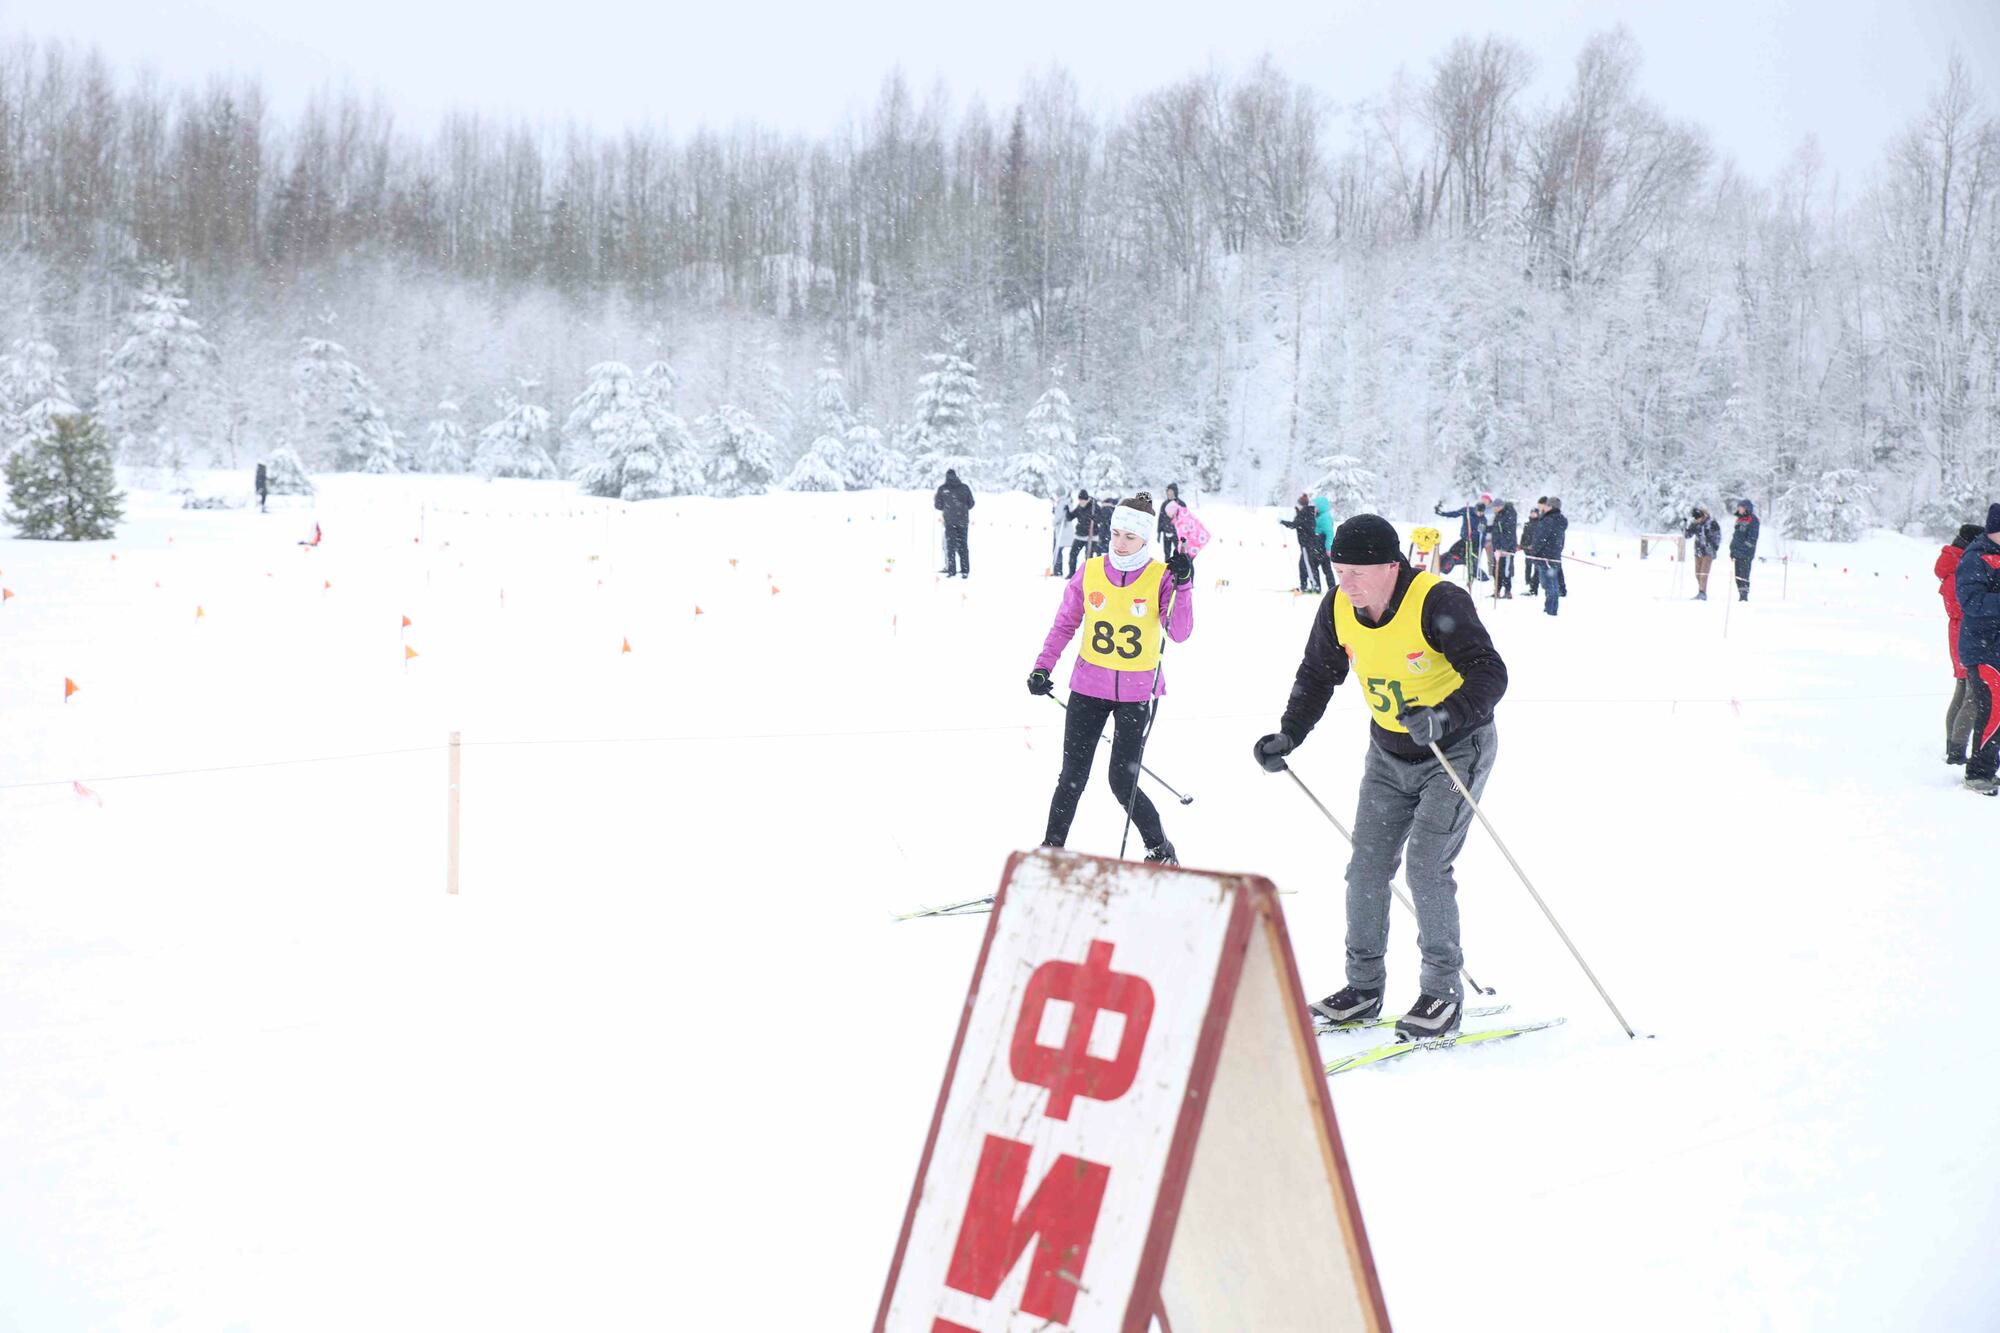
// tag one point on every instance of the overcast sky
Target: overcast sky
(1760, 75)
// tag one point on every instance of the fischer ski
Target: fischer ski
(970, 907)
(1395, 1048)
(1322, 1028)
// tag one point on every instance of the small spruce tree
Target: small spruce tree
(63, 486)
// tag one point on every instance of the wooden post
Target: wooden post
(451, 853)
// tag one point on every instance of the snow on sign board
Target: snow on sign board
(1134, 1133)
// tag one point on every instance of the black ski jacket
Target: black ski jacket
(1451, 627)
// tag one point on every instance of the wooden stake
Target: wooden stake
(451, 853)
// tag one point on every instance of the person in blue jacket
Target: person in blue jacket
(1324, 526)
(1978, 586)
(1551, 532)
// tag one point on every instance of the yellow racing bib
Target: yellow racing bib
(1397, 668)
(1122, 630)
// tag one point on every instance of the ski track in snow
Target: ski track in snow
(667, 1062)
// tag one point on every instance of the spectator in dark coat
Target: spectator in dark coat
(263, 487)
(1170, 537)
(1504, 541)
(1707, 534)
(1084, 513)
(1533, 573)
(1958, 714)
(1100, 518)
(954, 501)
(1743, 546)
(1978, 586)
(1550, 536)
(1304, 524)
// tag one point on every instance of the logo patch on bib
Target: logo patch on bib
(1096, 600)
(1418, 662)
(1138, 607)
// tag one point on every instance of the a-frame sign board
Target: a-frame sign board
(1134, 1131)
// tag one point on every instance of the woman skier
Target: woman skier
(1127, 604)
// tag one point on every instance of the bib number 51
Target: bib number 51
(1380, 701)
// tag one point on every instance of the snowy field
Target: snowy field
(666, 1062)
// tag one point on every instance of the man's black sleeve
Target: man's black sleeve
(1451, 625)
(1323, 667)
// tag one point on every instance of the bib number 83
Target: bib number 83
(1381, 702)
(1101, 640)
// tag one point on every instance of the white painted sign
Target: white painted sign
(1134, 1130)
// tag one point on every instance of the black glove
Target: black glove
(1039, 682)
(1181, 566)
(1438, 509)
(1425, 725)
(1271, 751)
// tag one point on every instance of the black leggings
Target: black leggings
(1128, 739)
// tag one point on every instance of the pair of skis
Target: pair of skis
(1375, 1055)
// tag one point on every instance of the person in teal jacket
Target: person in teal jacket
(1325, 525)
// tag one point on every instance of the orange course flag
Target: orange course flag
(406, 622)
(198, 613)
(325, 585)
(627, 648)
(408, 652)
(69, 688)
(6, 594)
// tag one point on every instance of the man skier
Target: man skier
(1978, 586)
(1432, 676)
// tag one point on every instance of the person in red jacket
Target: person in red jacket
(1958, 716)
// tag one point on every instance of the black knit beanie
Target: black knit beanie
(1366, 539)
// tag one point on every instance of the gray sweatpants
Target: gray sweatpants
(1413, 805)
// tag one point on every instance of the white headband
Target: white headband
(1135, 521)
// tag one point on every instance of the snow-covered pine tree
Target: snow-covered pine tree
(739, 452)
(1828, 508)
(681, 471)
(1349, 487)
(155, 402)
(444, 442)
(512, 446)
(950, 413)
(820, 468)
(830, 410)
(871, 464)
(1047, 464)
(62, 487)
(339, 419)
(32, 395)
(612, 436)
(284, 474)
(1103, 466)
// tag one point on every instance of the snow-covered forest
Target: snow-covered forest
(1237, 281)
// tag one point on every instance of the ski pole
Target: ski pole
(1101, 740)
(1563, 935)
(1400, 896)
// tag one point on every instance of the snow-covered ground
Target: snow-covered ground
(666, 1062)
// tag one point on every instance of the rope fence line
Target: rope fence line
(995, 729)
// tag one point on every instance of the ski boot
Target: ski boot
(1163, 855)
(1430, 1016)
(1984, 786)
(1350, 1005)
